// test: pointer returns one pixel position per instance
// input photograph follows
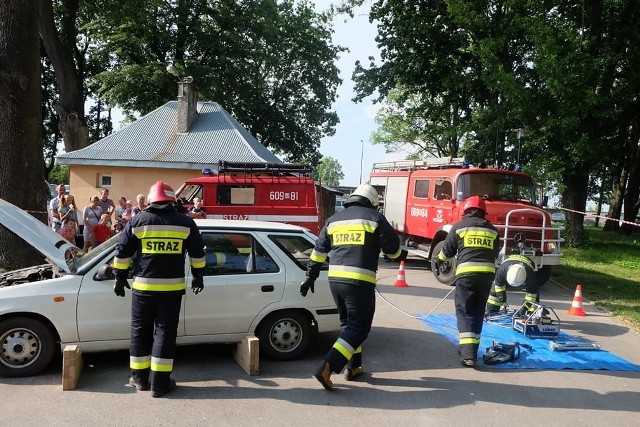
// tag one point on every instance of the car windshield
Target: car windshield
(76, 264)
(496, 186)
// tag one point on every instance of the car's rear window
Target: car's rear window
(297, 248)
(235, 253)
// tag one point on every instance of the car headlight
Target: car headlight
(550, 247)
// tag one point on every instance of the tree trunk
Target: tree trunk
(21, 165)
(617, 197)
(70, 106)
(575, 197)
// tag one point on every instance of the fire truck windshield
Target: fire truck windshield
(496, 186)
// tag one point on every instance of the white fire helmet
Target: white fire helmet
(368, 192)
(516, 275)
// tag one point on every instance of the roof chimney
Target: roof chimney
(187, 103)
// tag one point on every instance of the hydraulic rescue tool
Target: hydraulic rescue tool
(536, 321)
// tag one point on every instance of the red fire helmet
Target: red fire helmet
(474, 202)
(161, 192)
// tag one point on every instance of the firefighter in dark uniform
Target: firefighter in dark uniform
(354, 236)
(476, 242)
(516, 270)
(160, 236)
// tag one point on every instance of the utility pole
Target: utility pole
(361, 157)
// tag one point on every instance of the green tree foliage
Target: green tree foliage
(567, 74)
(270, 63)
(329, 171)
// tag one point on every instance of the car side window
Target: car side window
(297, 248)
(235, 253)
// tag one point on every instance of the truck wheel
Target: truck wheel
(27, 346)
(543, 275)
(447, 270)
(284, 335)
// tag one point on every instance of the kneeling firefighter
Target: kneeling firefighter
(516, 270)
(354, 236)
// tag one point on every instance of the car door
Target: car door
(103, 316)
(241, 278)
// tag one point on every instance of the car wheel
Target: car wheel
(27, 346)
(447, 270)
(284, 335)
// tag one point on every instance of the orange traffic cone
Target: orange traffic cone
(401, 281)
(576, 305)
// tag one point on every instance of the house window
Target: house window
(104, 181)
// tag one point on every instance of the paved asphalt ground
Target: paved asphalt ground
(413, 379)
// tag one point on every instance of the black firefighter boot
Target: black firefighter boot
(323, 375)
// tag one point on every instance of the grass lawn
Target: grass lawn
(608, 270)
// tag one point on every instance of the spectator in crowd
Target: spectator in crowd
(68, 230)
(53, 207)
(106, 204)
(139, 206)
(67, 209)
(102, 230)
(197, 211)
(120, 210)
(91, 217)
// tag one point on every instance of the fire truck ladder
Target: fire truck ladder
(428, 163)
(274, 170)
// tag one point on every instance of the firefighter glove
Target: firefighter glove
(197, 285)
(118, 288)
(306, 286)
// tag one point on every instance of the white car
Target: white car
(70, 300)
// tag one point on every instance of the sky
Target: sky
(351, 145)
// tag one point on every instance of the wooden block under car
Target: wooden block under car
(247, 354)
(71, 367)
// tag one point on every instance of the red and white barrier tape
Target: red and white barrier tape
(592, 215)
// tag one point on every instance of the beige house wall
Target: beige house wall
(84, 181)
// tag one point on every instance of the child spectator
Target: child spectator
(102, 231)
(197, 211)
(68, 230)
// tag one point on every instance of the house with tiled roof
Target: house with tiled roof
(172, 143)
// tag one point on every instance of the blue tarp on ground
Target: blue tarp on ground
(540, 356)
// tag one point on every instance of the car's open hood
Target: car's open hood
(42, 238)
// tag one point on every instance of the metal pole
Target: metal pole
(361, 157)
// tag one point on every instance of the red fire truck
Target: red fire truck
(422, 199)
(282, 192)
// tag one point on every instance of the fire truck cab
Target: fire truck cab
(280, 192)
(422, 199)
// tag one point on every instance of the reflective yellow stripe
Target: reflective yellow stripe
(358, 350)
(521, 258)
(143, 362)
(441, 256)
(396, 254)
(352, 225)
(352, 275)
(121, 263)
(469, 341)
(158, 287)
(475, 269)
(494, 301)
(338, 346)
(198, 262)
(318, 256)
(161, 365)
(499, 288)
(161, 231)
(244, 250)
(530, 297)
